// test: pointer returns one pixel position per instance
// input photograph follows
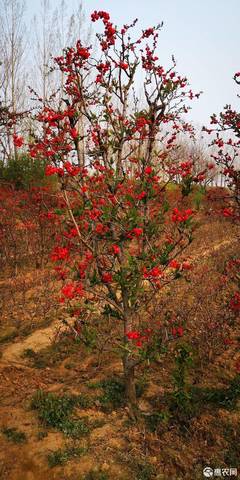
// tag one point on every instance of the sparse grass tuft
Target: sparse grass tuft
(62, 456)
(95, 475)
(53, 410)
(56, 411)
(113, 395)
(14, 435)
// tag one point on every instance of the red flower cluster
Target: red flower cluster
(107, 277)
(141, 123)
(18, 141)
(181, 216)
(177, 331)
(116, 249)
(235, 302)
(153, 273)
(110, 31)
(71, 169)
(135, 232)
(82, 52)
(174, 264)
(136, 336)
(72, 290)
(83, 265)
(51, 170)
(59, 253)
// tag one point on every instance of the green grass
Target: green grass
(226, 397)
(53, 410)
(113, 395)
(57, 412)
(14, 435)
(95, 475)
(75, 428)
(62, 456)
(181, 411)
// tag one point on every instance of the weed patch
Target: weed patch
(62, 456)
(14, 435)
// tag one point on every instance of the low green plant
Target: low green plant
(62, 456)
(75, 428)
(57, 412)
(84, 401)
(113, 395)
(96, 475)
(53, 410)
(14, 435)
(41, 435)
(226, 397)
(232, 452)
(181, 398)
(157, 420)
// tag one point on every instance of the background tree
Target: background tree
(13, 71)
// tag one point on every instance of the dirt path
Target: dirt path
(43, 337)
(36, 341)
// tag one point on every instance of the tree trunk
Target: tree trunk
(130, 387)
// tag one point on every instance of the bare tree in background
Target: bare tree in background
(13, 72)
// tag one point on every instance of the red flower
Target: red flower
(180, 331)
(227, 212)
(177, 331)
(148, 170)
(59, 253)
(183, 216)
(137, 231)
(50, 170)
(74, 133)
(235, 302)
(123, 65)
(18, 141)
(141, 195)
(133, 335)
(186, 266)
(116, 249)
(141, 122)
(68, 291)
(174, 264)
(154, 273)
(107, 277)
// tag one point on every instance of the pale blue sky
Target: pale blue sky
(203, 35)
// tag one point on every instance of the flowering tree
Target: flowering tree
(226, 131)
(226, 128)
(121, 237)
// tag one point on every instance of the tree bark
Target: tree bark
(130, 386)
